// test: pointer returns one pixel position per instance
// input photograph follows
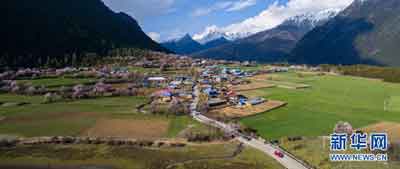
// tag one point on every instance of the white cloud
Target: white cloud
(217, 6)
(276, 13)
(154, 35)
(228, 6)
(242, 4)
(142, 9)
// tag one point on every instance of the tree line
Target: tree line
(387, 74)
(75, 59)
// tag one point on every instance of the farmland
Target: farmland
(105, 157)
(75, 117)
(314, 111)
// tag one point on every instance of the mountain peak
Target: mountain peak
(183, 45)
(186, 37)
(213, 32)
(313, 19)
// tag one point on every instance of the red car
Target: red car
(279, 154)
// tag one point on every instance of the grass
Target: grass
(58, 82)
(315, 150)
(125, 157)
(393, 103)
(315, 111)
(64, 118)
(179, 123)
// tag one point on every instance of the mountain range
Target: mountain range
(37, 32)
(367, 32)
(272, 45)
(187, 45)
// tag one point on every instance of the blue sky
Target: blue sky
(167, 19)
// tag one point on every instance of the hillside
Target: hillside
(40, 32)
(367, 32)
(270, 45)
(216, 42)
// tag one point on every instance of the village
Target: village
(167, 79)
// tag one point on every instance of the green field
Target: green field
(208, 156)
(315, 150)
(71, 118)
(393, 103)
(315, 111)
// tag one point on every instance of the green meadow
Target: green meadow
(315, 111)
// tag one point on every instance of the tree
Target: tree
(202, 105)
(194, 73)
(31, 90)
(79, 92)
(176, 107)
(101, 88)
(64, 91)
(343, 127)
(51, 98)
(163, 67)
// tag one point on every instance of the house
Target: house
(221, 78)
(165, 95)
(236, 72)
(157, 81)
(205, 81)
(175, 84)
(256, 101)
(211, 92)
(216, 102)
(119, 70)
(237, 99)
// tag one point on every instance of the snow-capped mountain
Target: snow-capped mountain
(213, 32)
(274, 44)
(367, 32)
(313, 19)
(307, 19)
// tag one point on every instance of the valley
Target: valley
(165, 84)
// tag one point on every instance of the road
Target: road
(288, 161)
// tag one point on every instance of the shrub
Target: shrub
(51, 98)
(343, 127)
(31, 90)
